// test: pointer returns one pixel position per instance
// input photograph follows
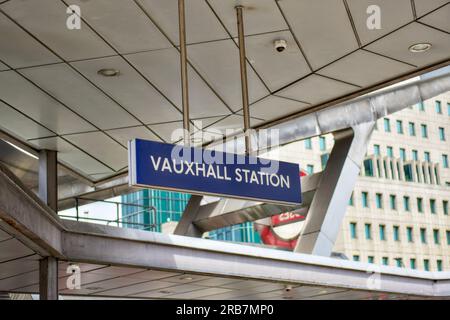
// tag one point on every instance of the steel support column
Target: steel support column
(48, 178)
(330, 201)
(48, 278)
(186, 227)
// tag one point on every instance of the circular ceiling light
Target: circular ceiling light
(420, 47)
(108, 72)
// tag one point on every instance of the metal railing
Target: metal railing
(119, 221)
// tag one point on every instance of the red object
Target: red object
(267, 234)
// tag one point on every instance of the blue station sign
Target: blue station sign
(209, 172)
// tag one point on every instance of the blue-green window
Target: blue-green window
(433, 206)
(445, 207)
(370, 259)
(393, 202)
(310, 169)
(324, 159)
(423, 235)
(426, 264)
(412, 129)
(424, 130)
(390, 151)
(403, 154)
(396, 233)
(420, 205)
(399, 262)
(322, 143)
(368, 231)
(399, 125)
(353, 230)
(406, 205)
(412, 263)
(365, 199)
(436, 237)
(355, 257)
(421, 106)
(408, 170)
(379, 200)
(376, 149)
(448, 108)
(427, 156)
(385, 261)
(438, 107)
(441, 134)
(415, 155)
(387, 125)
(439, 265)
(382, 232)
(308, 144)
(448, 237)
(445, 161)
(409, 234)
(368, 168)
(350, 202)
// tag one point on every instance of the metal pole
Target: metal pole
(76, 206)
(183, 65)
(117, 212)
(244, 84)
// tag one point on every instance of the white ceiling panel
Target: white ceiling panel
(4, 235)
(166, 291)
(315, 89)
(439, 19)
(125, 134)
(274, 107)
(123, 24)
(198, 293)
(84, 267)
(218, 62)
(11, 268)
(112, 284)
(365, 68)
(425, 6)
(186, 278)
(201, 23)
(277, 69)
(72, 156)
(19, 125)
(13, 249)
(137, 288)
(234, 123)
(46, 19)
(216, 281)
(394, 14)
(117, 271)
(322, 27)
(19, 49)
(19, 281)
(129, 89)
(169, 130)
(396, 45)
(3, 66)
(162, 68)
(79, 95)
(101, 147)
(260, 16)
(35, 103)
(153, 275)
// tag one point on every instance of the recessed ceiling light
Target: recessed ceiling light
(186, 278)
(108, 72)
(420, 47)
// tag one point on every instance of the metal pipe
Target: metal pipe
(183, 66)
(244, 84)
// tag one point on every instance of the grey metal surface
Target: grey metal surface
(48, 178)
(132, 251)
(48, 278)
(328, 207)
